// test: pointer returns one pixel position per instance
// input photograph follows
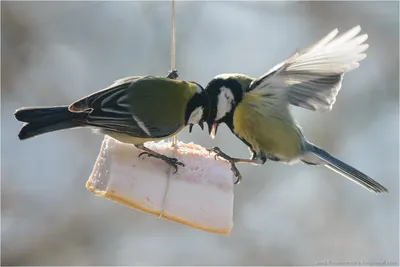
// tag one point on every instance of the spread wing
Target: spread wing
(132, 106)
(312, 78)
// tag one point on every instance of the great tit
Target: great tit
(257, 110)
(132, 110)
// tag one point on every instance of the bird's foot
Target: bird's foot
(218, 153)
(173, 162)
(236, 173)
(173, 74)
(232, 161)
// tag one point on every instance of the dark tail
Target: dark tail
(347, 171)
(43, 120)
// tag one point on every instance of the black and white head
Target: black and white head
(198, 108)
(225, 92)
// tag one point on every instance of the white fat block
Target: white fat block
(199, 195)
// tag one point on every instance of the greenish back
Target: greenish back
(160, 103)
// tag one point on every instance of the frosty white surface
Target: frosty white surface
(199, 195)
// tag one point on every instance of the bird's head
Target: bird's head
(198, 108)
(225, 92)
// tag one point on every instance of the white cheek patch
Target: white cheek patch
(225, 102)
(196, 116)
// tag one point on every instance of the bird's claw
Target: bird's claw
(211, 150)
(214, 149)
(236, 173)
(173, 162)
(232, 161)
(173, 74)
(218, 153)
(144, 153)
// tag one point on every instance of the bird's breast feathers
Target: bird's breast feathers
(268, 130)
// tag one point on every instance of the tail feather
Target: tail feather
(34, 114)
(47, 119)
(347, 171)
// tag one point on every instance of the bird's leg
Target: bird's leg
(218, 153)
(170, 161)
(173, 74)
(232, 161)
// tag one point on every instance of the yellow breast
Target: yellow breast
(267, 129)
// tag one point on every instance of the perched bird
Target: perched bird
(257, 110)
(132, 110)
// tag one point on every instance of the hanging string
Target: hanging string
(174, 138)
(172, 67)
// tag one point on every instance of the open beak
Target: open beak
(201, 126)
(212, 129)
(191, 127)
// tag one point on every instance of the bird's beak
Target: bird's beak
(190, 128)
(201, 126)
(209, 128)
(212, 129)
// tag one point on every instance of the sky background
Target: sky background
(56, 52)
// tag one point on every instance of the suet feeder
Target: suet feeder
(199, 195)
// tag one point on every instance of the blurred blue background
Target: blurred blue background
(56, 52)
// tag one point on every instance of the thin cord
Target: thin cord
(172, 67)
(174, 138)
(173, 37)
